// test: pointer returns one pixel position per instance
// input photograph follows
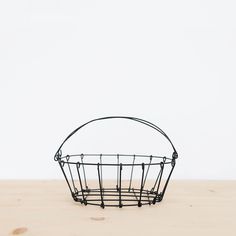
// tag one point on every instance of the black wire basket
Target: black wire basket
(121, 191)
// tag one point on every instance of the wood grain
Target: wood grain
(46, 208)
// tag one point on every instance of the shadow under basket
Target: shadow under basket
(131, 185)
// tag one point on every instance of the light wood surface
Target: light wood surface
(44, 208)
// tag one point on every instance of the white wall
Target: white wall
(170, 62)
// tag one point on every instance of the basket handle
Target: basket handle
(145, 122)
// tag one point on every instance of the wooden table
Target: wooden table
(46, 208)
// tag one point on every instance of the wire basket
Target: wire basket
(123, 191)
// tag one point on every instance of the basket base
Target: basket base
(115, 197)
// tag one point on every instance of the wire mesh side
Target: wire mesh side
(124, 190)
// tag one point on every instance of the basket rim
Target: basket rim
(164, 160)
(115, 155)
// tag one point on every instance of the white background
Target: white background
(65, 62)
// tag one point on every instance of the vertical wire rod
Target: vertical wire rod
(141, 187)
(85, 181)
(101, 170)
(159, 173)
(72, 179)
(120, 203)
(159, 182)
(67, 181)
(117, 179)
(147, 170)
(100, 186)
(156, 180)
(167, 181)
(131, 174)
(80, 181)
(162, 169)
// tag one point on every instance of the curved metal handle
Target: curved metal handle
(174, 155)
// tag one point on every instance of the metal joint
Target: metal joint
(175, 155)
